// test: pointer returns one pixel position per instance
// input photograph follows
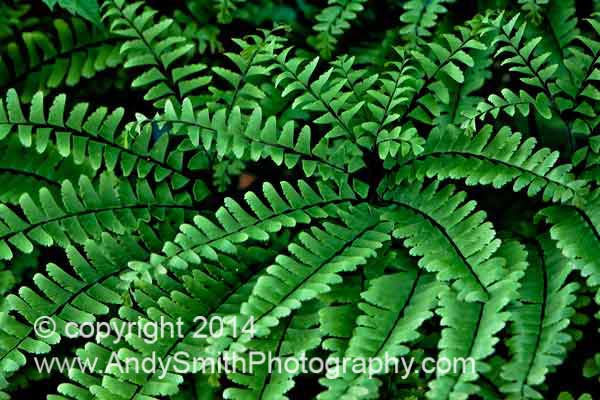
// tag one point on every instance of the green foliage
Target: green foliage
(332, 21)
(88, 9)
(541, 313)
(394, 307)
(281, 171)
(420, 16)
(150, 45)
(85, 213)
(70, 52)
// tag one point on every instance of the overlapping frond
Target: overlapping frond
(251, 68)
(323, 96)
(313, 266)
(295, 336)
(156, 210)
(19, 175)
(216, 291)
(257, 138)
(576, 232)
(235, 225)
(436, 63)
(63, 295)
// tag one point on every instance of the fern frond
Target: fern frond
(394, 307)
(194, 28)
(78, 296)
(496, 160)
(218, 291)
(205, 239)
(582, 64)
(508, 102)
(332, 21)
(251, 64)
(256, 139)
(446, 61)
(576, 232)
(451, 239)
(384, 105)
(468, 91)
(93, 137)
(420, 16)
(298, 334)
(226, 9)
(359, 80)
(337, 317)
(41, 62)
(29, 174)
(539, 318)
(85, 213)
(312, 267)
(149, 45)
(534, 8)
(87, 9)
(17, 18)
(320, 96)
(519, 53)
(562, 20)
(470, 330)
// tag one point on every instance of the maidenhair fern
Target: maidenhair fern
(330, 196)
